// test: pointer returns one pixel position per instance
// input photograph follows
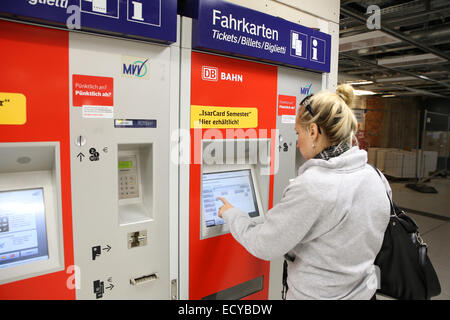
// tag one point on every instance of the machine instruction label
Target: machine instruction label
(92, 91)
(287, 108)
(209, 117)
(287, 105)
(97, 112)
(287, 119)
(13, 108)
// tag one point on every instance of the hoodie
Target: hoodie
(332, 218)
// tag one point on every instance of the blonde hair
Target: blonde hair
(333, 114)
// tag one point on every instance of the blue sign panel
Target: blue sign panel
(151, 20)
(225, 27)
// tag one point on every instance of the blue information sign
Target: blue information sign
(151, 20)
(225, 27)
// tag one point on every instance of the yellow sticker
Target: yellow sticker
(13, 108)
(208, 117)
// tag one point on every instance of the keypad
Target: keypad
(128, 186)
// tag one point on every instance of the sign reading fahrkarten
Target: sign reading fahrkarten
(225, 27)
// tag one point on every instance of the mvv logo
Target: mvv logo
(134, 67)
(306, 90)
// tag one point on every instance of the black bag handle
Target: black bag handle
(394, 208)
(401, 216)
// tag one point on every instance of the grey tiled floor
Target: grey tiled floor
(433, 203)
(435, 232)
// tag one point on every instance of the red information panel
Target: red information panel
(287, 105)
(222, 85)
(92, 91)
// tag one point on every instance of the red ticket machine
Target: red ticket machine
(36, 244)
(233, 103)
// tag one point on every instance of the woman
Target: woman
(332, 218)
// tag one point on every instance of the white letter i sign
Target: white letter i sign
(137, 11)
(314, 49)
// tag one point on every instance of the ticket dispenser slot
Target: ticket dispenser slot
(135, 182)
(240, 291)
(137, 239)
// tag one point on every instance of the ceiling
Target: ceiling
(408, 56)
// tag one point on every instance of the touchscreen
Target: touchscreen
(23, 235)
(236, 186)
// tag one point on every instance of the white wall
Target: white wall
(304, 12)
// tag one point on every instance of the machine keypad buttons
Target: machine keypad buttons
(127, 186)
(128, 178)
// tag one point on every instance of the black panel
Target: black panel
(239, 291)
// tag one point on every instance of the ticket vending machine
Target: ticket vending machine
(36, 240)
(233, 136)
(121, 184)
(230, 105)
(88, 192)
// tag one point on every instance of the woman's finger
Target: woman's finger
(225, 201)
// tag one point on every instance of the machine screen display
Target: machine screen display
(125, 164)
(236, 186)
(23, 234)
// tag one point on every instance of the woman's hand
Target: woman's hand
(225, 207)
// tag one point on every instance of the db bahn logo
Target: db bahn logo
(213, 74)
(210, 73)
(133, 67)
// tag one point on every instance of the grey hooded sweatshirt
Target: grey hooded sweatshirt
(332, 218)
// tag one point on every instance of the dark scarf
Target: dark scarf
(333, 151)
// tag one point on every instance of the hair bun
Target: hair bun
(345, 91)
